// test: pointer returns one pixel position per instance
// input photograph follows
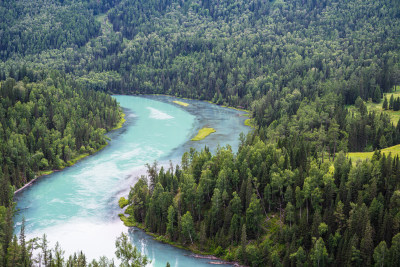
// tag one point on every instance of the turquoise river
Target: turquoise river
(78, 206)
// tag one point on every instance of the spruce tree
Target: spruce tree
(367, 245)
(391, 102)
(381, 254)
(395, 251)
(385, 104)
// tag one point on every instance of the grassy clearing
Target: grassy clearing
(377, 107)
(105, 23)
(394, 118)
(203, 133)
(181, 103)
(394, 150)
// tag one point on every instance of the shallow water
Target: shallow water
(78, 206)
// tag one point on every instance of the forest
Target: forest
(275, 206)
(306, 70)
(45, 125)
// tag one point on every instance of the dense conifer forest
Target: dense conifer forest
(306, 70)
(270, 205)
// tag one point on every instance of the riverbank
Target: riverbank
(71, 162)
(199, 254)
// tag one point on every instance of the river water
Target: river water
(78, 206)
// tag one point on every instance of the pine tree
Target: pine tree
(385, 104)
(395, 251)
(377, 95)
(367, 245)
(243, 241)
(24, 254)
(391, 102)
(13, 253)
(254, 218)
(171, 222)
(396, 104)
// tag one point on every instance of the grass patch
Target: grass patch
(126, 220)
(103, 20)
(377, 107)
(181, 103)
(40, 173)
(77, 158)
(84, 155)
(123, 202)
(249, 122)
(203, 133)
(120, 123)
(394, 150)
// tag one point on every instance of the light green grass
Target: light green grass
(77, 158)
(126, 221)
(394, 150)
(181, 103)
(40, 173)
(203, 133)
(120, 123)
(377, 107)
(103, 19)
(249, 122)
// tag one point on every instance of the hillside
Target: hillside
(313, 73)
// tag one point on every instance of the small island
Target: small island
(181, 103)
(203, 133)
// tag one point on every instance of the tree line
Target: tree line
(392, 104)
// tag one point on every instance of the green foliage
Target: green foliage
(123, 202)
(381, 254)
(295, 64)
(48, 125)
(128, 254)
(342, 203)
(33, 26)
(319, 254)
(188, 231)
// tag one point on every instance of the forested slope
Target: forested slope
(296, 64)
(271, 206)
(281, 59)
(45, 124)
